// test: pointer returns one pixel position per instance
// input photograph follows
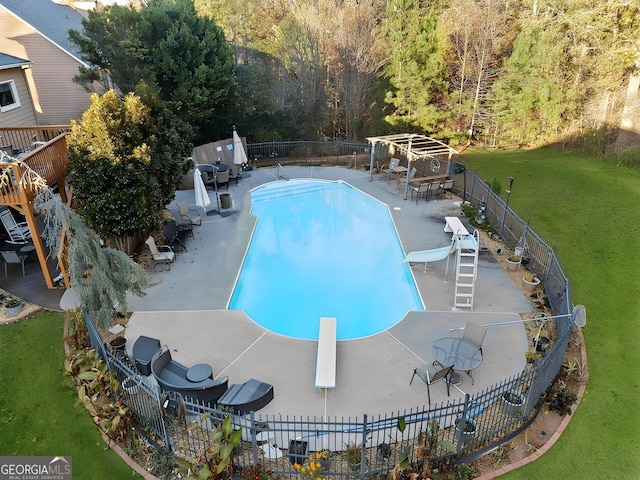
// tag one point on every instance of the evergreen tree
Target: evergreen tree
(166, 45)
(416, 68)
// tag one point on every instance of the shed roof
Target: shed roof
(415, 145)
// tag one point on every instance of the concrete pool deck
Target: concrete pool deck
(186, 309)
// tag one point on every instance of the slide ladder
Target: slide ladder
(466, 271)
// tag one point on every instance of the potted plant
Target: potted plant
(118, 344)
(298, 450)
(513, 262)
(383, 452)
(324, 458)
(465, 429)
(512, 402)
(541, 341)
(353, 454)
(531, 282)
(532, 356)
(130, 385)
(14, 306)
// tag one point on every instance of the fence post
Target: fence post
(254, 439)
(363, 448)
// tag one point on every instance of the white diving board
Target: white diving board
(326, 360)
(455, 226)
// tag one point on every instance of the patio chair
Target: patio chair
(173, 236)
(474, 333)
(12, 256)
(430, 375)
(188, 215)
(445, 187)
(18, 232)
(420, 190)
(223, 179)
(401, 178)
(434, 188)
(162, 254)
(234, 172)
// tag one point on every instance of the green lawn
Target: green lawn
(589, 211)
(39, 414)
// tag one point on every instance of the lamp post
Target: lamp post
(506, 205)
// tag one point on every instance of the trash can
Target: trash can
(225, 200)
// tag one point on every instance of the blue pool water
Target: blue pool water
(323, 249)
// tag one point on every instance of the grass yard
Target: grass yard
(39, 414)
(590, 211)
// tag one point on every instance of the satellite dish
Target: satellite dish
(579, 316)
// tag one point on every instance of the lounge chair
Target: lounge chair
(188, 216)
(18, 232)
(433, 255)
(172, 376)
(162, 254)
(246, 397)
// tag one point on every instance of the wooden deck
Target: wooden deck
(46, 154)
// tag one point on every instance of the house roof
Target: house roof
(9, 61)
(51, 20)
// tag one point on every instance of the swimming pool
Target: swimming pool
(323, 249)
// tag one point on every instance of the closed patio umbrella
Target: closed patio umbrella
(239, 156)
(202, 197)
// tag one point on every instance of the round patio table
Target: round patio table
(199, 372)
(454, 351)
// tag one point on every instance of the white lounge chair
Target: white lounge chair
(433, 255)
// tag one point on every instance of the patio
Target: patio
(186, 309)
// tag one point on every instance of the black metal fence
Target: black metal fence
(279, 441)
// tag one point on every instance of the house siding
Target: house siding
(23, 116)
(56, 98)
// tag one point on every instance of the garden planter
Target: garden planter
(14, 311)
(118, 345)
(512, 266)
(530, 286)
(468, 427)
(383, 452)
(325, 463)
(130, 385)
(298, 451)
(542, 344)
(512, 402)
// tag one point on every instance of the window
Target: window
(8, 96)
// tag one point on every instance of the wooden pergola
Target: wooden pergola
(414, 146)
(48, 158)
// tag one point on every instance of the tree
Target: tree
(416, 66)
(122, 166)
(169, 47)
